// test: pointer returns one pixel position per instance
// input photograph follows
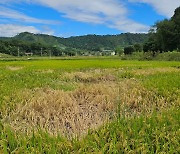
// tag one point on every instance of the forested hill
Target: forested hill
(43, 39)
(88, 42)
(94, 42)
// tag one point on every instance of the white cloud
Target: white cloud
(128, 25)
(112, 13)
(9, 30)
(47, 30)
(18, 16)
(163, 7)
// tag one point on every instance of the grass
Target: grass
(89, 106)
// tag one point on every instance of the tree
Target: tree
(129, 50)
(165, 35)
(56, 51)
(119, 50)
(138, 47)
(176, 20)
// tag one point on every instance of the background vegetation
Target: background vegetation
(165, 35)
(81, 45)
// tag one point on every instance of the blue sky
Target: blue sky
(80, 17)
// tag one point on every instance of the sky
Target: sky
(65, 18)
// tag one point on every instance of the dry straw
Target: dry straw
(98, 99)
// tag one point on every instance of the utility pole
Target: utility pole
(41, 52)
(50, 54)
(18, 51)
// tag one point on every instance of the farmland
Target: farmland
(89, 105)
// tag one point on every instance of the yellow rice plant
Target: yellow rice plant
(66, 112)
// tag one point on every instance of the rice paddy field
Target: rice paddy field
(89, 106)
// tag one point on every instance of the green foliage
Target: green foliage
(138, 47)
(95, 42)
(176, 30)
(40, 38)
(168, 56)
(119, 50)
(129, 50)
(56, 46)
(5, 55)
(12, 47)
(165, 35)
(165, 56)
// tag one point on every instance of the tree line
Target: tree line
(21, 48)
(57, 46)
(165, 35)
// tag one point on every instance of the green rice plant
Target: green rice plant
(166, 84)
(153, 127)
(153, 134)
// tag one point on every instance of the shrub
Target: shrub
(128, 50)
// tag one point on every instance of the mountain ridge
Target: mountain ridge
(88, 42)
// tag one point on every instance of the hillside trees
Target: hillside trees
(129, 50)
(87, 42)
(165, 35)
(138, 47)
(119, 50)
(12, 47)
